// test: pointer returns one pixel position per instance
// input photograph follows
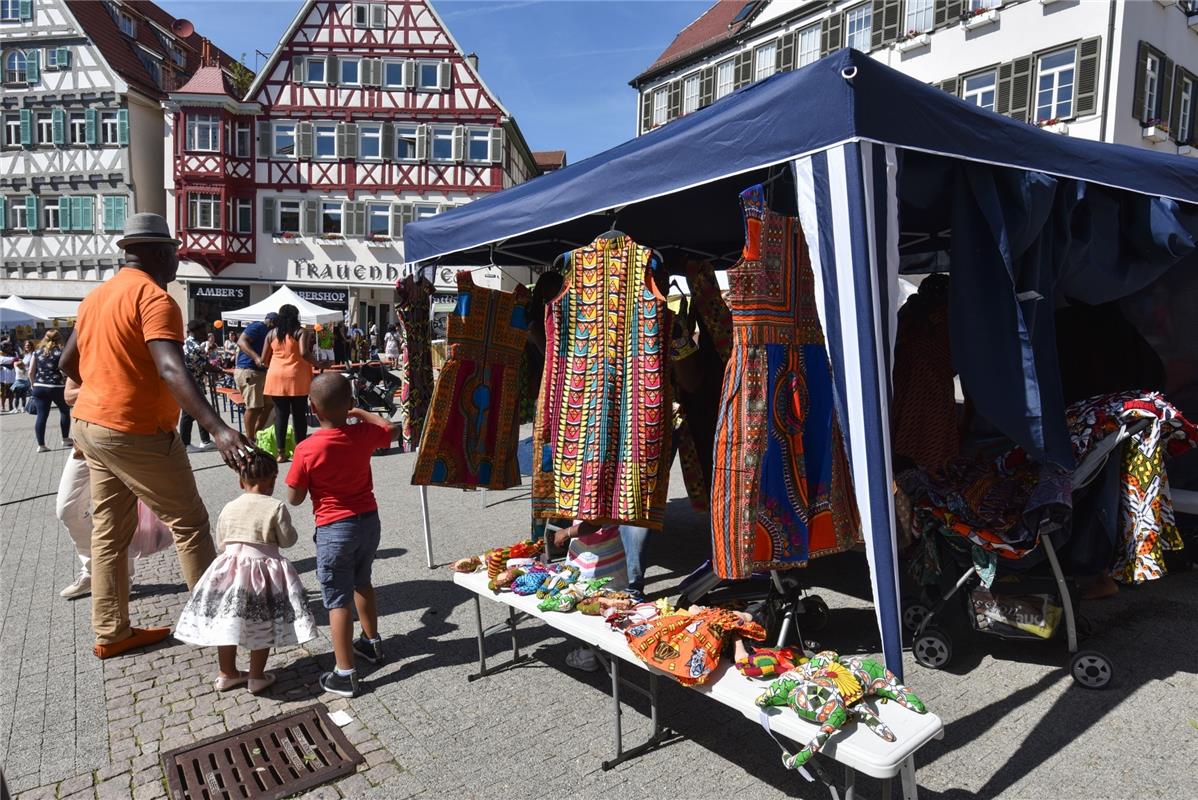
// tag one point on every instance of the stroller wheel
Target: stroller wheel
(914, 614)
(933, 649)
(815, 613)
(1090, 669)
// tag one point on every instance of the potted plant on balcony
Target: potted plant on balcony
(286, 237)
(1156, 129)
(913, 40)
(1053, 125)
(981, 16)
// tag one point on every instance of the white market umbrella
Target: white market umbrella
(309, 313)
(16, 311)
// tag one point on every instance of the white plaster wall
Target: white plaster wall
(145, 154)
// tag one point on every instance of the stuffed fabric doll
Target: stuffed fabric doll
(688, 645)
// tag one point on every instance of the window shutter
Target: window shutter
(376, 71)
(1087, 77)
(459, 142)
(26, 127)
(421, 142)
(106, 212)
(304, 139)
(940, 12)
(3, 213)
(91, 125)
(401, 215)
(674, 104)
(378, 15)
(310, 218)
(31, 217)
(1020, 88)
(409, 74)
(32, 63)
(1002, 97)
(444, 75)
(832, 31)
(1137, 96)
(264, 139)
(120, 213)
(950, 85)
(646, 112)
(495, 148)
(297, 69)
(877, 31)
(1164, 98)
(64, 213)
(785, 56)
(269, 220)
(25, 10)
(744, 68)
(1179, 82)
(122, 126)
(387, 141)
(330, 70)
(707, 87)
(58, 126)
(886, 24)
(360, 218)
(83, 215)
(351, 140)
(347, 218)
(956, 10)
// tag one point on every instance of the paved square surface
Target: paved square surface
(1015, 724)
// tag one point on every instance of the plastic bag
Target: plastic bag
(1014, 615)
(151, 536)
(266, 441)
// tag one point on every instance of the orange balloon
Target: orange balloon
(318, 327)
(218, 324)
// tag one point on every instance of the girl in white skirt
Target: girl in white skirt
(250, 596)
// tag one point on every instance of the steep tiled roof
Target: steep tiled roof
(548, 160)
(121, 51)
(208, 80)
(711, 27)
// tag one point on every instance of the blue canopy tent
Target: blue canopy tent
(878, 166)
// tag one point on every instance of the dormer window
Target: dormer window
(124, 21)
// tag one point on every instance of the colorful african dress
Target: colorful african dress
(470, 435)
(412, 297)
(780, 489)
(602, 438)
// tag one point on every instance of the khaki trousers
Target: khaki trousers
(126, 467)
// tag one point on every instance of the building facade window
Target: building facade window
(725, 78)
(1152, 80)
(442, 144)
(809, 45)
(478, 145)
(425, 210)
(10, 10)
(690, 93)
(17, 215)
(45, 128)
(78, 126)
(428, 75)
(858, 27)
(660, 105)
(203, 211)
(979, 89)
(350, 71)
(314, 70)
(126, 23)
(109, 127)
(12, 131)
(284, 139)
(1054, 85)
(241, 215)
(57, 58)
(325, 140)
(377, 219)
(51, 221)
(1185, 112)
(764, 61)
(405, 142)
(370, 141)
(330, 217)
(289, 216)
(393, 74)
(203, 133)
(361, 15)
(975, 5)
(919, 16)
(243, 139)
(15, 65)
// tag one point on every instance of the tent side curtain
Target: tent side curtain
(848, 207)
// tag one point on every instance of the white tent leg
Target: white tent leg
(428, 528)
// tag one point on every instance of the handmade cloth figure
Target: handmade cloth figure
(765, 662)
(473, 427)
(688, 645)
(601, 444)
(412, 308)
(497, 558)
(780, 488)
(829, 690)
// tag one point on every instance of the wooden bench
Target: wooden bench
(858, 749)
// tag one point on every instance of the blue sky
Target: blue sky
(561, 67)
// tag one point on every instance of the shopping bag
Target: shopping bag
(266, 441)
(151, 536)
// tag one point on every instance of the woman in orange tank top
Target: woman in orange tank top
(289, 356)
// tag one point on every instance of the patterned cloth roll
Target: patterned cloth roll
(600, 555)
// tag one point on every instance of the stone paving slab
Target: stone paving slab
(1015, 724)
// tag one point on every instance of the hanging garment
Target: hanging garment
(472, 429)
(602, 439)
(780, 488)
(412, 296)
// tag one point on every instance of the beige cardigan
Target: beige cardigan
(255, 519)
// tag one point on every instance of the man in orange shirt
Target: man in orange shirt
(127, 355)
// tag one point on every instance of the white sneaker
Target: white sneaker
(41, 448)
(203, 447)
(81, 586)
(583, 658)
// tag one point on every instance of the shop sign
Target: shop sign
(344, 272)
(446, 278)
(219, 291)
(329, 298)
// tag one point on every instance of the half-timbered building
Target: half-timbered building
(81, 135)
(367, 115)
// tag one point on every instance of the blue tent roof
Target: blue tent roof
(764, 124)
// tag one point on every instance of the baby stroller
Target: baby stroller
(1005, 609)
(374, 389)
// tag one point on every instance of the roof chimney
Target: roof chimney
(472, 60)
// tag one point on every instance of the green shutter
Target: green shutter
(26, 10)
(83, 214)
(32, 61)
(91, 125)
(1087, 77)
(64, 57)
(1137, 95)
(31, 217)
(3, 213)
(58, 126)
(122, 126)
(26, 127)
(122, 213)
(106, 206)
(64, 213)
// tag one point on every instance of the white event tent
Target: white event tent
(309, 313)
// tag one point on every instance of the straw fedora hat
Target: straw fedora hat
(146, 228)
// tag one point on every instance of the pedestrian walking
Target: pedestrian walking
(49, 382)
(333, 467)
(21, 385)
(251, 596)
(127, 354)
(391, 345)
(289, 356)
(195, 356)
(8, 357)
(249, 374)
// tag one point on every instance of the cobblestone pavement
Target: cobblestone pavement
(1015, 725)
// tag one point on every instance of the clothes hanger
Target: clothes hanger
(613, 232)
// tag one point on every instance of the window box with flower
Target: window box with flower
(287, 237)
(913, 40)
(981, 17)
(378, 240)
(1053, 125)
(1155, 130)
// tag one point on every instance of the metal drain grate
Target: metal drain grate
(284, 756)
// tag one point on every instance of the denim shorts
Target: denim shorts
(344, 554)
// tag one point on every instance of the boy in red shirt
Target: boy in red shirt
(333, 465)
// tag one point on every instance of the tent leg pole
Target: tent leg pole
(428, 529)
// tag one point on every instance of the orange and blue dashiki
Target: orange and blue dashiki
(601, 443)
(473, 425)
(780, 488)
